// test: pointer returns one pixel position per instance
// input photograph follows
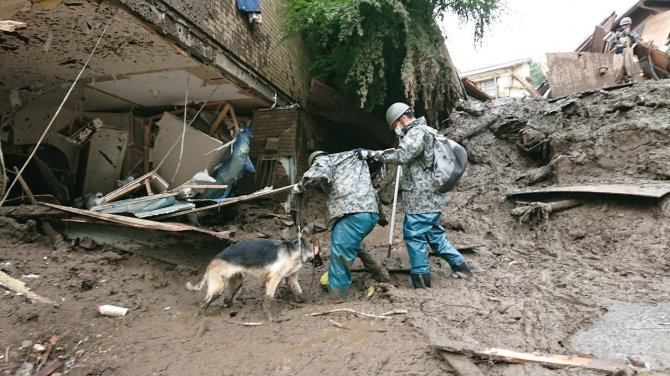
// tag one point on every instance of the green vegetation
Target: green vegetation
(377, 52)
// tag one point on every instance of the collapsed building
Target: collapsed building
(589, 67)
(145, 99)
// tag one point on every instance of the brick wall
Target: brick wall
(262, 48)
(296, 136)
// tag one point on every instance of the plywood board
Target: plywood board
(196, 156)
(651, 190)
(572, 72)
(105, 159)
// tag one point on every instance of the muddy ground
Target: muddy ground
(591, 279)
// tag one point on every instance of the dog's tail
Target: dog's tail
(197, 287)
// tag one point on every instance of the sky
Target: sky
(528, 29)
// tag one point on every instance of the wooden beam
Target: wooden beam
(526, 85)
(219, 119)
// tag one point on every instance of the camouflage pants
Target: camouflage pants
(623, 66)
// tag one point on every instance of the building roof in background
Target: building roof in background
(509, 64)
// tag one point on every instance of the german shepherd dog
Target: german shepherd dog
(271, 260)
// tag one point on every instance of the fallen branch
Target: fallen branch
(542, 209)
(361, 314)
(20, 287)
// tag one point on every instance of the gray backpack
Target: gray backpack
(449, 163)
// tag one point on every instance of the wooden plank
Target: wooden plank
(510, 356)
(20, 287)
(554, 360)
(140, 223)
(147, 186)
(230, 201)
(652, 190)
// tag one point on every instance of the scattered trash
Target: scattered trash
(111, 310)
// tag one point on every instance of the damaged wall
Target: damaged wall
(216, 31)
(572, 72)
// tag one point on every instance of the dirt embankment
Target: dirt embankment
(539, 283)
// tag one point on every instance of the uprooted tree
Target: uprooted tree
(377, 52)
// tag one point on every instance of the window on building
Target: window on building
(489, 87)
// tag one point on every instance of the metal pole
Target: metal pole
(395, 202)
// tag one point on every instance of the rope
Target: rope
(189, 124)
(183, 132)
(74, 83)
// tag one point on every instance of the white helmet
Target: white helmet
(395, 111)
(313, 156)
(625, 21)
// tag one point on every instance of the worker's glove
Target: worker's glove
(363, 154)
(297, 189)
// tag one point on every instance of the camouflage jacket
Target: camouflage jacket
(415, 154)
(346, 180)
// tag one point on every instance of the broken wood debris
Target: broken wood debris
(11, 26)
(157, 184)
(510, 356)
(20, 288)
(541, 210)
(141, 223)
(229, 201)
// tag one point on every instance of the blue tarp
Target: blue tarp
(249, 6)
(232, 169)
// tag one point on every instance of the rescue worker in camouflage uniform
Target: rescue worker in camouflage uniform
(354, 210)
(423, 204)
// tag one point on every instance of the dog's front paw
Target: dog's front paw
(267, 309)
(300, 298)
